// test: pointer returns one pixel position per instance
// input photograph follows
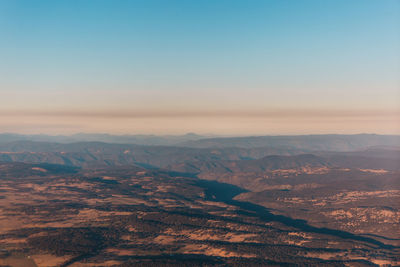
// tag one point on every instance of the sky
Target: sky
(249, 67)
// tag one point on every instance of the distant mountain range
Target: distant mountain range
(106, 138)
(330, 142)
(197, 160)
(89, 154)
(368, 159)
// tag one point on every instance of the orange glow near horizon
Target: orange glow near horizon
(225, 122)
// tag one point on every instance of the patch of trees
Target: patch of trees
(75, 241)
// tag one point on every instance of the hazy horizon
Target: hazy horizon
(205, 135)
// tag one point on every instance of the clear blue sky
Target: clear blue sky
(219, 58)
